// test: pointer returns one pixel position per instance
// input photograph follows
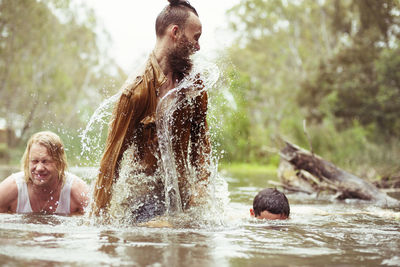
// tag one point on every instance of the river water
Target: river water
(319, 233)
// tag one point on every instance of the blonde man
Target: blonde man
(43, 186)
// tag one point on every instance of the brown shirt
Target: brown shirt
(133, 123)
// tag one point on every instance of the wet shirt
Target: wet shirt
(133, 123)
(24, 205)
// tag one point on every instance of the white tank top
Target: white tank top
(24, 205)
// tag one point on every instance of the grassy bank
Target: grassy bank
(245, 169)
(248, 174)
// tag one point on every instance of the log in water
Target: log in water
(303, 171)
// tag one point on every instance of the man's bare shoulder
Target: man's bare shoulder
(78, 185)
(8, 193)
(79, 193)
(9, 183)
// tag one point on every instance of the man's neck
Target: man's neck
(161, 56)
(45, 191)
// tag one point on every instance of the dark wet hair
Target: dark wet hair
(176, 12)
(270, 199)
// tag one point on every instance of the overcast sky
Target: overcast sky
(131, 26)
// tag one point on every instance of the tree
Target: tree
(361, 81)
(50, 69)
(278, 44)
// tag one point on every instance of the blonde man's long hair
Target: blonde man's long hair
(55, 148)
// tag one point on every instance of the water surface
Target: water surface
(319, 232)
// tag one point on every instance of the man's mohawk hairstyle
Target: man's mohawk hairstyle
(182, 3)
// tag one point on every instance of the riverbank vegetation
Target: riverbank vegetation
(323, 74)
(54, 71)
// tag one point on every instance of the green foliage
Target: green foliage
(334, 63)
(51, 75)
(248, 174)
(229, 113)
(351, 149)
(250, 170)
(387, 68)
(4, 155)
(235, 135)
(361, 81)
(278, 42)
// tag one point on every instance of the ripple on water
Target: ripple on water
(314, 235)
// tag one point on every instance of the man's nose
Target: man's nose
(197, 46)
(40, 166)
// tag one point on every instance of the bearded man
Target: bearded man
(132, 136)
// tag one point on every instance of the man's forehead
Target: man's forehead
(39, 150)
(194, 22)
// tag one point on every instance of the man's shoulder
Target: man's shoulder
(133, 86)
(70, 175)
(135, 80)
(76, 181)
(9, 185)
(73, 179)
(79, 192)
(8, 194)
(18, 177)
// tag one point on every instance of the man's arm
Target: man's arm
(8, 195)
(79, 196)
(200, 156)
(200, 143)
(126, 114)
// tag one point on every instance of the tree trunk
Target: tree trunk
(301, 170)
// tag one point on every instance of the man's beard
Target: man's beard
(179, 60)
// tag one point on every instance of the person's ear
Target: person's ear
(175, 32)
(251, 212)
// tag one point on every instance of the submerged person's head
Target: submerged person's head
(180, 24)
(270, 204)
(44, 158)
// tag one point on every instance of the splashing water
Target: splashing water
(90, 138)
(92, 142)
(133, 189)
(172, 101)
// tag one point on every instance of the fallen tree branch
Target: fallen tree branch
(307, 172)
(289, 188)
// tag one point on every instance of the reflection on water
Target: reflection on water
(318, 233)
